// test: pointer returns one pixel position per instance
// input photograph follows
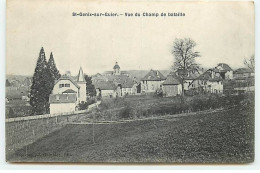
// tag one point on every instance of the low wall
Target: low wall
(51, 115)
(22, 131)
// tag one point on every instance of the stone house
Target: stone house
(152, 81)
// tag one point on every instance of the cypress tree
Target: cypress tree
(39, 93)
(52, 75)
(52, 68)
(90, 88)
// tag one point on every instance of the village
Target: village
(138, 110)
(69, 91)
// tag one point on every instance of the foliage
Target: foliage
(138, 107)
(7, 83)
(43, 82)
(40, 86)
(250, 63)
(217, 137)
(84, 105)
(90, 88)
(51, 66)
(184, 58)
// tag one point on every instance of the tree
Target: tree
(52, 75)
(250, 63)
(91, 90)
(7, 83)
(39, 93)
(52, 68)
(184, 56)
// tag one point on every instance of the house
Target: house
(243, 73)
(60, 103)
(222, 70)
(172, 86)
(152, 81)
(115, 83)
(128, 87)
(67, 93)
(66, 84)
(208, 83)
(106, 89)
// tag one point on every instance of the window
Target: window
(60, 85)
(67, 85)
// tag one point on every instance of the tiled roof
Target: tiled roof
(65, 77)
(154, 75)
(108, 72)
(129, 83)
(243, 70)
(207, 76)
(225, 67)
(69, 91)
(62, 98)
(104, 85)
(171, 80)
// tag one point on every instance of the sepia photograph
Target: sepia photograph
(130, 82)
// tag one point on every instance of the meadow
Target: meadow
(223, 136)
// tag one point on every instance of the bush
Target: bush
(125, 112)
(84, 105)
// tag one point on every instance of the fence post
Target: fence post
(93, 131)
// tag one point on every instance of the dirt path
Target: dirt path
(163, 117)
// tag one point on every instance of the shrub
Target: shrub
(84, 105)
(125, 112)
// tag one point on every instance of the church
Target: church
(67, 93)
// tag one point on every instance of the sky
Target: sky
(223, 31)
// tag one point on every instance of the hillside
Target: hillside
(216, 137)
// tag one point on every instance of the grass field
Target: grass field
(217, 137)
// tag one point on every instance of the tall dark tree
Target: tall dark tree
(52, 75)
(52, 68)
(39, 90)
(91, 91)
(184, 58)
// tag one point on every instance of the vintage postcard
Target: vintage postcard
(130, 82)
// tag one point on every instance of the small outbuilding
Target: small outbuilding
(172, 86)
